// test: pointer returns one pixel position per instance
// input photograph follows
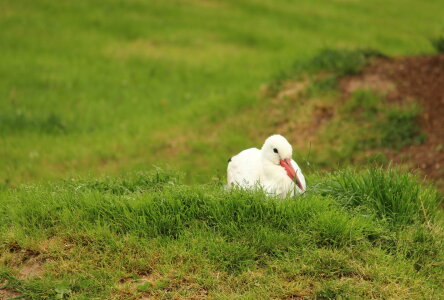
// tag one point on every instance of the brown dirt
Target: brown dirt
(30, 269)
(292, 89)
(7, 294)
(405, 80)
(27, 262)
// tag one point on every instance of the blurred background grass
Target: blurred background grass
(94, 87)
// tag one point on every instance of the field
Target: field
(97, 100)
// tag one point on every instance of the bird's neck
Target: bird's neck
(272, 170)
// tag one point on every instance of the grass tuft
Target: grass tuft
(340, 62)
(391, 195)
(400, 127)
(363, 104)
(438, 43)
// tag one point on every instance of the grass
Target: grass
(339, 62)
(438, 43)
(366, 234)
(353, 131)
(383, 191)
(400, 127)
(89, 88)
(19, 123)
(308, 106)
(331, 63)
(331, 133)
(392, 126)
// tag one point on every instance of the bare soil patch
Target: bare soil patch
(404, 80)
(30, 269)
(27, 262)
(8, 294)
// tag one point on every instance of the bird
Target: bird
(270, 168)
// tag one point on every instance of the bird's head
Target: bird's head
(278, 151)
(277, 148)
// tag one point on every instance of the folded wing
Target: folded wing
(244, 169)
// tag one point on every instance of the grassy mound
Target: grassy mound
(365, 234)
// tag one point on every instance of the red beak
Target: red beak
(286, 164)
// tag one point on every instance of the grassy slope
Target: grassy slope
(373, 235)
(87, 87)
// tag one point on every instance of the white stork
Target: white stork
(270, 168)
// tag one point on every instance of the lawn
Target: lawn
(94, 88)
(98, 98)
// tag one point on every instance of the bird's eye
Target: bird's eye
(275, 150)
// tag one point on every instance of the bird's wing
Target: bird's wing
(244, 168)
(299, 174)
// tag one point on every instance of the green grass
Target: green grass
(363, 104)
(391, 126)
(372, 234)
(104, 89)
(438, 43)
(401, 128)
(46, 125)
(88, 88)
(328, 62)
(339, 62)
(372, 126)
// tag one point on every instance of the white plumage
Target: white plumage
(270, 168)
